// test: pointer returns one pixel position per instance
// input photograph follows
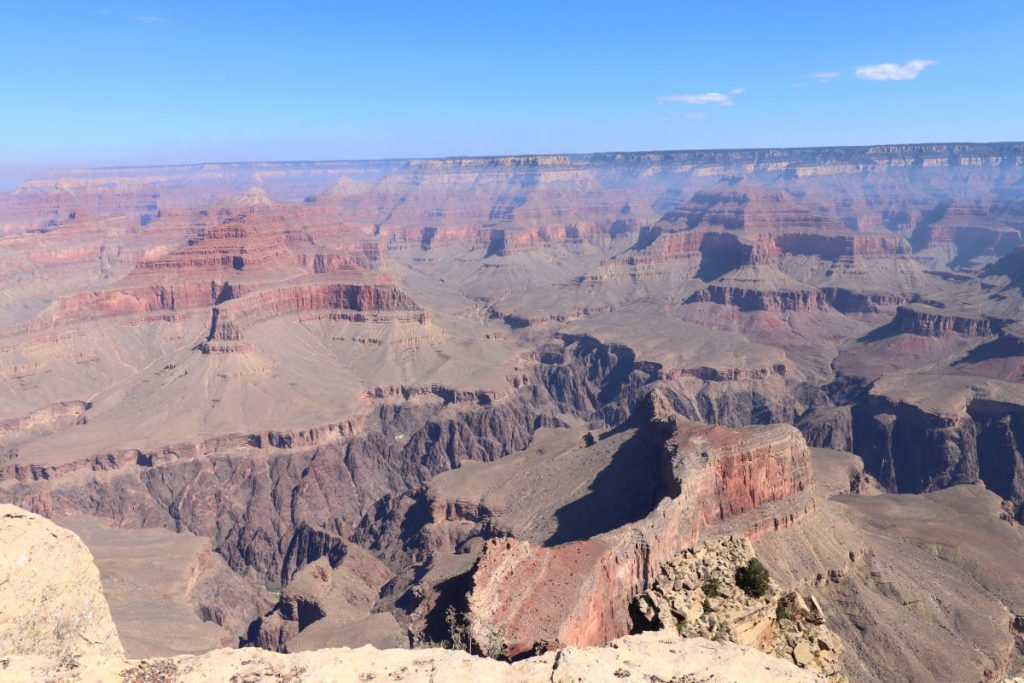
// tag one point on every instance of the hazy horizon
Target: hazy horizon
(11, 177)
(153, 83)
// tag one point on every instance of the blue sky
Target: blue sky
(100, 83)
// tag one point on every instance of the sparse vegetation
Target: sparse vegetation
(753, 578)
(707, 606)
(713, 587)
(458, 625)
(780, 611)
(496, 648)
(460, 638)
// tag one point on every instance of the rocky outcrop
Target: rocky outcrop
(826, 426)
(843, 246)
(230, 245)
(58, 627)
(737, 205)
(999, 356)
(931, 322)
(43, 421)
(299, 438)
(140, 299)
(927, 585)
(51, 601)
(648, 656)
(363, 255)
(238, 491)
(578, 592)
(336, 595)
(229, 318)
(931, 432)
(849, 301)
(1009, 268)
(222, 596)
(958, 233)
(749, 299)
(696, 594)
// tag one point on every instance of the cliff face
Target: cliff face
(943, 431)
(761, 300)
(578, 593)
(791, 625)
(240, 493)
(929, 322)
(327, 603)
(69, 634)
(293, 370)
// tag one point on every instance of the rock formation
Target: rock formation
(57, 627)
(350, 396)
(53, 606)
(697, 595)
(709, 473)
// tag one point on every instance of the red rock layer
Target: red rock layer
(578, 593)
(849, 301)
(935, 323)
(231, 245)
(142, 299)
(780, 300)
(308, 297)
(760, 299)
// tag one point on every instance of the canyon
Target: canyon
(317, 407)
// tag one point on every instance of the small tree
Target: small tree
(496, 647)
(713, 587)
(753, 578)
(456, 629)
(588, 440)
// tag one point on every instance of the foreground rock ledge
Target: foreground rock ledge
(56, 627)
(51, 599)
(648, 657)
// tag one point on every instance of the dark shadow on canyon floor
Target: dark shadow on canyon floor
(625, 491)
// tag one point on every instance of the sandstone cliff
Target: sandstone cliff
(709, 474)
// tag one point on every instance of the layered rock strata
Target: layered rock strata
(59, 629)
(709, 473)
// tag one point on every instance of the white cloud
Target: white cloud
(826, 75)
(150, 19)
(894, 72)
(705, 98)
(737, 91)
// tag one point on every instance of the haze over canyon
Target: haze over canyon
(551, 410)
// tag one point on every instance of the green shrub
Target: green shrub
(457, 630)
(780, 611)
(753, 579)
(713, 588)
(707, 606)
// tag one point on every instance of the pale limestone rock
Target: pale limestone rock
(802, 654)
(56, 627)
(645, 657)
(51, 600)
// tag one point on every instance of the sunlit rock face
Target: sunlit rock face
(378, 390)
